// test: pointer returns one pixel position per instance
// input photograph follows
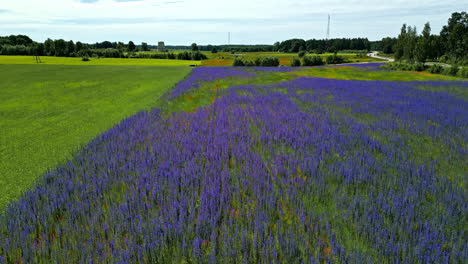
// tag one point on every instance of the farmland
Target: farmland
(47, 112)
(94, 61)
(226, 59)
(332, 164)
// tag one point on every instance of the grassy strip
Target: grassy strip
(95, 61)
(49, 111)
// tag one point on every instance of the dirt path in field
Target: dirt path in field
(373, 54)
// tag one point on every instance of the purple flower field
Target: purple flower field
(309, 170)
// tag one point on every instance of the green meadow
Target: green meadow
(95, 61)
(47, 112)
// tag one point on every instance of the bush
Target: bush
(418, 67)
(443, 58)
(301, 54)
(451, 70)
(196, 55)
(312, 61)
(238, 62)
(270, 62)
(184, 56)
(398, 66)
(295, 62)
(85, 59)
(436, 69)
(463, 72)
(335, 59)
(258, 62)
(249, 63)
(264, 62)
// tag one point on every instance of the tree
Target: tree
(70, 48)
(406, 44)
(437, 46)
(423, 45)
(214, 50)
(120, 46)
(399, 47)
(78, 46)
(49, 47)
(194, 47)
(38, 49)
(296, 46)
(276, 46)
(419, 51)
(104, 45)
(455, 35)
(388, 45)
(131, 46)
(144, 46)
(410, 44)
(60, 47)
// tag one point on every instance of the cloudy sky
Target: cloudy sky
(208, 21)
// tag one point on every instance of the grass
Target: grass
(49, 111)
(94, 61)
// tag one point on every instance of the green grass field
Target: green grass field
(49, 111)
(95, 61)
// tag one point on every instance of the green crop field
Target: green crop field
(49, 111)
(95, 61)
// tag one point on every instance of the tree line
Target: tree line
(321, 45)
(450, 46)
(23, 45)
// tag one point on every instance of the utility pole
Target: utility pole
(328, 27)
(229, 38)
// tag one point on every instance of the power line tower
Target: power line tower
(328, 27)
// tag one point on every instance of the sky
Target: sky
(182, 22)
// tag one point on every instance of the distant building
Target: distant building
(161, 46)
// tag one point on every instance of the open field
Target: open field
(226, 59)
(340, 164)
(49, 111)
(94, 61)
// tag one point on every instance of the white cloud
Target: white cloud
(185, 21)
